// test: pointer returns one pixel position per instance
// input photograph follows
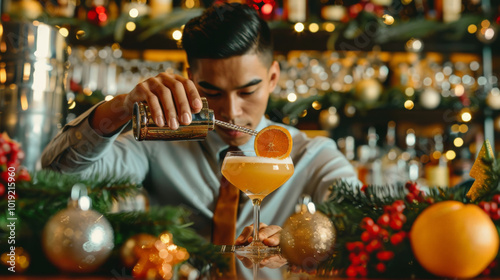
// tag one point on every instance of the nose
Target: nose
(232, 107)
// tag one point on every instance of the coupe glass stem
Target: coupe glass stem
(256, 219)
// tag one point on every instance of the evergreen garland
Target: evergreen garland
(48, 192)
(347, 206)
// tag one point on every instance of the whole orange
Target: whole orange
(452, 239)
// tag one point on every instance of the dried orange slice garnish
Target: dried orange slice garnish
(273, 141)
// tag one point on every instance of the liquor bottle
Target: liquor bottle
(295, 10)
(370, 170)
(461, 167)
(350, 153)
(332, 10)
(437, 172)
(391, 170)
(408, 162)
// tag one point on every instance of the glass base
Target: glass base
(257, 250)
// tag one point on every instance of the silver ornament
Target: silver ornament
(78, 239)
(307, 237)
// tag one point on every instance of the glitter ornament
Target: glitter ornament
(17, 260)
(78, 239)
(307, 237)
(135, 247)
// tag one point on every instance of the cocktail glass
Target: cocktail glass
(256, 177)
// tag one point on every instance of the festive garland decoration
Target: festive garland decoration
(47, 192)
(373, 223)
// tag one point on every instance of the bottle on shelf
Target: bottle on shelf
(333, 10)
(461, 167)
(295, 10)
(392, 171)
(370, 166)
(437, 172)
(408, 162)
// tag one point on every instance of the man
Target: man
(229, 50)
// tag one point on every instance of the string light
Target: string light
(409, 104)
(133, 13)
(177, 35)
(450, 155)
(130, 26)
(313, 27)
(299, 27)
(292, 97)
(458, 142)
(64, 32)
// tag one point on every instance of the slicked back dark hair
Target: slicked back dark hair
(227, 30)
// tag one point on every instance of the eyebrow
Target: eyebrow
(207, 85)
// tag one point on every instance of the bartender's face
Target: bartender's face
(237, 89)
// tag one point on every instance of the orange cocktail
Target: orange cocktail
(257, 176)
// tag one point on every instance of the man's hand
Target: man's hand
(171, 98)
(269, 235)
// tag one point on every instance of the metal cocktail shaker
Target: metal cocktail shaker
(145, 128)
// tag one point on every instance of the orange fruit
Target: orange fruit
(273, 141)
(455, 240)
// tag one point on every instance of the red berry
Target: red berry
(3, 160)
(366, 222)
(363, 257)
(429, 200)
(6, 148)
(387, 208)
(380, 267)
(396, 224)
(486, 272)
(364, 187)
(485, 206)
(384, 220)
(385, 255)
(398, 206)
(365, 236)
(495, 215)
(410, 198)
(4, 176)
(398, 216)
(411, 186)
(24, 175)
(374, 230)
(398, 238)
(373, 246)
(351, 271)
(493, 207)
(355, 247)
(362, 271)
(383, 234)
(496, 198)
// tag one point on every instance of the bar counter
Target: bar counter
(273, 267)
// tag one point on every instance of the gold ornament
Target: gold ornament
(159, 260)
(17, 260)
(368, 90)
(134, 248)
(78, 239)
(329, 119)
(307, 237)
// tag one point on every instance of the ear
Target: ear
(274, 75)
